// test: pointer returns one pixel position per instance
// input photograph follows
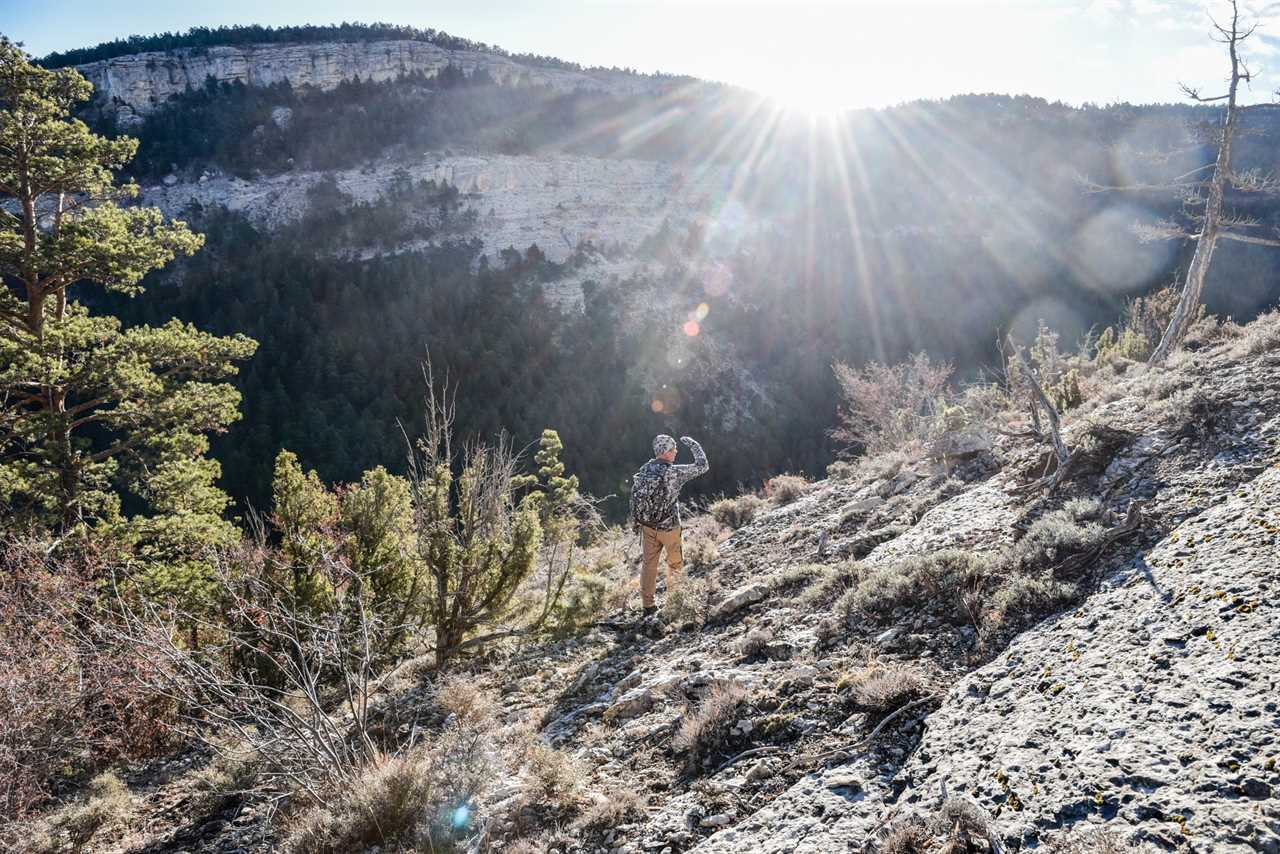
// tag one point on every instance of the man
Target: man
(655, 512)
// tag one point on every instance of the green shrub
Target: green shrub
(951, 578)
(584, 600)
(830, 584)
(689, 602)
(734, 513)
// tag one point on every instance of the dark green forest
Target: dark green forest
(929, 226)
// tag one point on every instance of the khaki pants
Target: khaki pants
(654, 541)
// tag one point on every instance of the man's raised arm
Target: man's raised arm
(687, 472)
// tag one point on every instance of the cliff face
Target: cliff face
(133, 86)
(553, 201)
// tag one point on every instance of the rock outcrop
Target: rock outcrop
(133, 86)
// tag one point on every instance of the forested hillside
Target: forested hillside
(927, 226)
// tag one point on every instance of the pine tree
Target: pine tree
(88, 409)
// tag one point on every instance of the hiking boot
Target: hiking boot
(651, 611)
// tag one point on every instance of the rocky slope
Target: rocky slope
(133, 86)
(1152, 710)
(1149, 709)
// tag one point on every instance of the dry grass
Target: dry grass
(785, 488)
(606, 811)
(881, 687)
(419, 799)
(734, 513)
(1260, 336)
(406, 801)
(554, 778)
(465, 702)
(842, 470)
(228, 776)
(107, 805)
(796, 575)
(703, 731)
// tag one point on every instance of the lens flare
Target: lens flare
(657, 405)
(717, 280)
(691, 328)
(701, 312)
(461, 817)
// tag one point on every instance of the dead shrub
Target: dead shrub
(554, 778)
(906, 836)
(705, 731)
(754, 642)
(71, 694)
(887, 407)
(957, 825)
(735, 513)
(785, 488)
(700, 552)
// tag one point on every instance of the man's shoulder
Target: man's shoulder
(653, 468)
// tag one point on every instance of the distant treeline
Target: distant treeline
(204, 37)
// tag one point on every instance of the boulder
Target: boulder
(737, 600)
(632, 704)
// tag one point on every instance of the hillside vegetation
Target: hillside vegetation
(1032, 606)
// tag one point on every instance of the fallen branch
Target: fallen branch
(843, 752)
(747, 754)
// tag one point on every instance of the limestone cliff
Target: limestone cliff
(135, 85)
(555, 201)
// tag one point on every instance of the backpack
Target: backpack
(648, 497)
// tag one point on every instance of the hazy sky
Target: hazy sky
(817, 55)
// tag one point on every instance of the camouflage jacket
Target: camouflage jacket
(655, 490)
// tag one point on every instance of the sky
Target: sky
(818, 56)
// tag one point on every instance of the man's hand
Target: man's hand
(688, 441)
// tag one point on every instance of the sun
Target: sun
(812, 95)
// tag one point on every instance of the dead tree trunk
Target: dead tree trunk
(1038, 395)
(1207, 240)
